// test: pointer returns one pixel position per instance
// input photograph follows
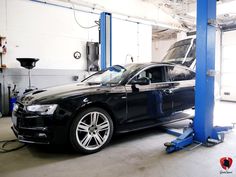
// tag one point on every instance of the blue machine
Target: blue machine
(106, 39)
(203, 130)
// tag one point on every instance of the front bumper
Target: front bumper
(37, 129)
(34, 136)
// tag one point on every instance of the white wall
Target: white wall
(46, 32)
(160, 47)
(51, 34)
(131, 39)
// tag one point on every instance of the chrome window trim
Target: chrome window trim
(169, 82)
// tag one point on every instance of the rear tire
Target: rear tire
(91, 130)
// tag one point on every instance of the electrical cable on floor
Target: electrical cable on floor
(6, 142)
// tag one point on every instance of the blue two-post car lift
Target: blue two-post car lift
(202, 131)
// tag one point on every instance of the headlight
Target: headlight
(42, 109)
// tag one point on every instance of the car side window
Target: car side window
(155, 74)
(177, 73)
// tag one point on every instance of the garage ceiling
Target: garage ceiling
(182, 12)
(185, 12)
(178, 9)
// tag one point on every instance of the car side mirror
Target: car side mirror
(141, 81)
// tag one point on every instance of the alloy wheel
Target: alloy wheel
(92, 130)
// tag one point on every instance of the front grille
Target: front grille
(32, 122)
(31, 127)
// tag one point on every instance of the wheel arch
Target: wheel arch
(73, 139)
(101, 105)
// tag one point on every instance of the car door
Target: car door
(183, 85)
(147, 103)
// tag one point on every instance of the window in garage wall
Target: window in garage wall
(228, 71)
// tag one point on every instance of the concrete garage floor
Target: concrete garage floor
(139, 154)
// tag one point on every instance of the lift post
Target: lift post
(106, 39)
(203, 130)
(204, 96)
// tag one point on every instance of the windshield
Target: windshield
(112, 75)
(182, 52)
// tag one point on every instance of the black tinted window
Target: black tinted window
(155, 74)
(176, 73)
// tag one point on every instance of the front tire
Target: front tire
(91, 130)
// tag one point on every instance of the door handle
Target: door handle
(168, 91)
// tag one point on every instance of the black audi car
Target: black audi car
(116, 100)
